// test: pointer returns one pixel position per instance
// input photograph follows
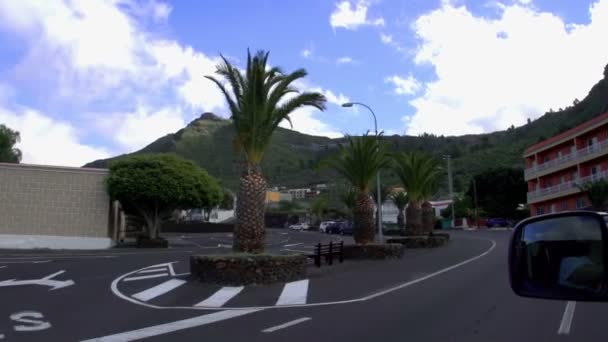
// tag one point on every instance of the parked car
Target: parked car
(333, 228)
(346, 228)
(299, 226)
(323, 226)
(498, 222)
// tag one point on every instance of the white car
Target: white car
(323, 226)
(299, 226)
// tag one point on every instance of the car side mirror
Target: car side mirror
(560, 256)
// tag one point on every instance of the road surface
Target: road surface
(459, 292)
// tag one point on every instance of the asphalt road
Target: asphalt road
(459, 292)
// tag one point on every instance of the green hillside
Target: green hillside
(293, 157)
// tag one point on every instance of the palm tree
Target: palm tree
(359, 163)
(319, 208)
(260, 99)
(349, 199)
(419, 174)
(597, 192)
(400, 199)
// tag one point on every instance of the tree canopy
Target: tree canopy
(597, 192)
(155, 185)
(8, 139)
(500, 191)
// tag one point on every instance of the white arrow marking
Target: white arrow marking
(46, 281)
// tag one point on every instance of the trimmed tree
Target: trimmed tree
(359, 163)
(156, 185)
(259, 100)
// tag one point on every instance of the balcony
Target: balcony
(578, 156)
(563, 189)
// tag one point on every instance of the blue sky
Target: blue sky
(83, 80)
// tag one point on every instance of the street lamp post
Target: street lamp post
(379, 204)
(450, 185)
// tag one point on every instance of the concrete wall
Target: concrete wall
(53, 207)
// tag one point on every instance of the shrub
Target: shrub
(155, 185)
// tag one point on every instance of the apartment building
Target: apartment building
(555, 166)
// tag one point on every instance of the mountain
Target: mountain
(293, 157)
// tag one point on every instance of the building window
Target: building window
(540, 210)
(564, 205)
(594, 169)
(580, 203)
(552, 208)
(545, 159)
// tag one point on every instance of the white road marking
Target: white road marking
(181, 274)
(223, 295)
(1, 336)
(2, 266)
(46, 281)
(295, 250)
(152, 270)
(295, 292)
(173, 326)
(287, 325)
(114, 288)
(25, 262)
(564, 327)
(294, 244)
(159, 289)
(147, 277)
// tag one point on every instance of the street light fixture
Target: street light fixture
(379, 204)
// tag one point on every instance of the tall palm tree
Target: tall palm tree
(419, 174)
(359, 163)
(349, 199)
(597, 192)
(261, 97)
(400, 199)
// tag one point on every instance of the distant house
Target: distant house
(273, 197)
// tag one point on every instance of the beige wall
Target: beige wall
(55, 201)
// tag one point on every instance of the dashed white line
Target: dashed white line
(295, 292)
(223, 295)
(159, 289)
(564, 327)
(152, 270)
(173, 326)
(147, 277)
(286, 325)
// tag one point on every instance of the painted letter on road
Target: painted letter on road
(32, 324)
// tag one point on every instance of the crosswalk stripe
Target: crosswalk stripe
(147, 277)
(159, 289)
(295, 292)
(152, 270)
(221, 296)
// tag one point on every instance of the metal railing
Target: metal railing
(601, 146)
(563, 187)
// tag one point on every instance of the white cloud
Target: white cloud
(492, 73)
(350, 16)
(306, 53)
(404, 85)
(304, 121)
(386, 38)
(345, 60)
(47, 141)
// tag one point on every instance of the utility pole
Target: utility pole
(475, 200)
(451, 185)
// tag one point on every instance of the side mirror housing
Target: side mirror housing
(561, 256)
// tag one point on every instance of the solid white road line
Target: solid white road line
(286, 325)
(159, 289)
(295, 292)
(223, 295)
(2, 266)
(147, 277)
(564, 327)
(152, 270)
(294, 244)
(173, 326)
(25, 262)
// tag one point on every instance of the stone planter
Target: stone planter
(420, 241)
(373, 251)
(244, 269)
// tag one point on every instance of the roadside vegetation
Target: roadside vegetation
(8, 139)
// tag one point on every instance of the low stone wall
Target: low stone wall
(244, 269)
(374, 251)
(420, 241)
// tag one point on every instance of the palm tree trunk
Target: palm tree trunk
(401, 220)
(365, 227)
(413, 222)
(428, 216)
(249, 233)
